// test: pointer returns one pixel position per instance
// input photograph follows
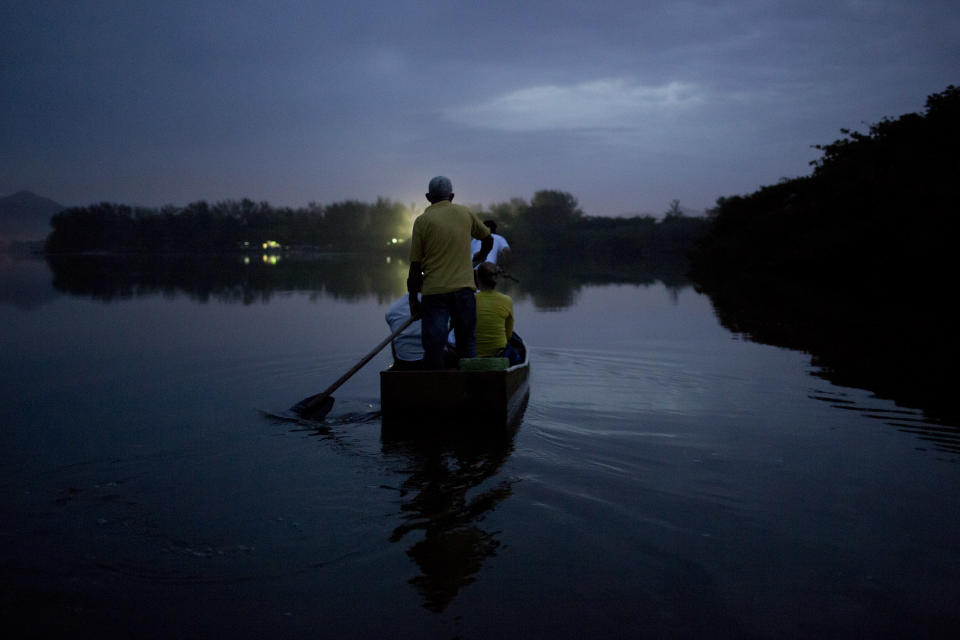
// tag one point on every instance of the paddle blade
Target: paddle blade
(314, 407)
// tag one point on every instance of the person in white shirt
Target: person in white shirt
(499, 254)
(407, 347)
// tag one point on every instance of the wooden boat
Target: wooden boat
(489, 400)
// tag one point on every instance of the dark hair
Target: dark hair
(487, 275)
(491, 225)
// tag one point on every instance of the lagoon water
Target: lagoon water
(669, 478)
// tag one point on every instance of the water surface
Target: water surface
(670, 478)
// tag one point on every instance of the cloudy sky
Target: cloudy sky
(625, 104)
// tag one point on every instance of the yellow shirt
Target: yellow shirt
(441, 244)
(494, 322)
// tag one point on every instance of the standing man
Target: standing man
(442, 271)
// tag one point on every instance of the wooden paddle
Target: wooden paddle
(317, 406)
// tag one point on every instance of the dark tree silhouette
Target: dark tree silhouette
(855, 262)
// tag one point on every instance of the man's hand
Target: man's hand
(483, 255)
(414, 306)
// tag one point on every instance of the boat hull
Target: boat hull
(420, 400)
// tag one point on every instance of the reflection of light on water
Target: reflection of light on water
(388, 259)
(266, 258)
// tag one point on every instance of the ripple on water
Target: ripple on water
(939, 435)
(569, 385)
(635, 434)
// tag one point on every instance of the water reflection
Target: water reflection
(25, 282)
(445, 499)
(937, 435)
(553, 282)
(903, 350)
(549, 284)
(233, 278)
(449, 486)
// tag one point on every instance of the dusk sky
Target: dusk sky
(626, 105)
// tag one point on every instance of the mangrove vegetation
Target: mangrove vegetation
(855, 262)
(549, 225)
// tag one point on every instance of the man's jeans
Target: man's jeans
(436, 314)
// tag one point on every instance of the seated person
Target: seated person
(494, 316)
(499, 254)
(407, 347)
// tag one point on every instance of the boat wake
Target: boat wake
(290, 417)
(354, 418)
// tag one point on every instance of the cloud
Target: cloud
(610, 103)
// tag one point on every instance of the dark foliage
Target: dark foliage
(557, 249)
(550, 227)
(853, 263)
(553, 228)
(226, 226)
(879, 207)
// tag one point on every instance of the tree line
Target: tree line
(550, 224)
(228, 225)
(878, 206)
(854, 263)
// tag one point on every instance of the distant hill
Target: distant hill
(26, 216)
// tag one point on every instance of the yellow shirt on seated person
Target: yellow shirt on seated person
(494, 322)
